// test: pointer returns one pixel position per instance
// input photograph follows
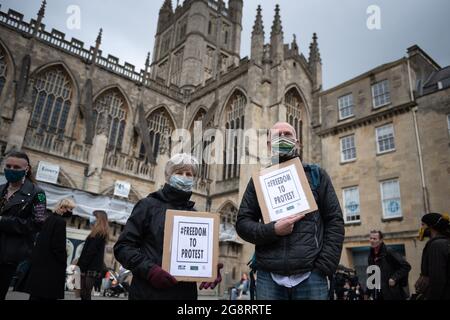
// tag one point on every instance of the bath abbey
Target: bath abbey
(383, 136)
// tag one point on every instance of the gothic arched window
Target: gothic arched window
(160, 128)
(112, 106)
(3, 69)
(234, 122)
(228, 215)
(52, 99)
(294, 115)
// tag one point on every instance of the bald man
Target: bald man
(294, 256)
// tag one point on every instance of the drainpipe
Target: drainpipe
(419, 145)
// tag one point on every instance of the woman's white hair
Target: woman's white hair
(179, 162)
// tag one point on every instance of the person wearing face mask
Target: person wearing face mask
(49, 259)
(434, 281)
(22, 214)
(294, 256)
(140, 246)
(92, 256)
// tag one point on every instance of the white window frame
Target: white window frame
(448, 124)
(388, 91)
(345, 205)
(341, 106)
(383, 199)
(343, 160)
(378, 138)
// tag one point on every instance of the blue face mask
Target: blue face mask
(182, 183)
(92, 220)
(13, 176)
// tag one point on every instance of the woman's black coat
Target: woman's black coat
(436, 266)
(49, 261)
(140, 246)
(93, 254)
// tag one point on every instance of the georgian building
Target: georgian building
(67, 103)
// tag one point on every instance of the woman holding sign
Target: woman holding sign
(140, 246)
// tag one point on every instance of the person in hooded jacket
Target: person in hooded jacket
(434, 281)
(23, 211)
(92, 256)
(47, 277)
(393, 267)
(140, 246)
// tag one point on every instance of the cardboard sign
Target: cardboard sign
(122, 189)
(47, 172)
(283, 191)
(191, 245)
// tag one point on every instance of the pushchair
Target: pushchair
(116, 284)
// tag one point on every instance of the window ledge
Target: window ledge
(348, 162)
(386, 152)
(381, 106)
(392, 219)
(353, 223)
(347, 118)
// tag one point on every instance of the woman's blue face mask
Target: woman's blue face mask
(182, 183)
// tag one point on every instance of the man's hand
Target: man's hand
(392, 283)
(285, 226)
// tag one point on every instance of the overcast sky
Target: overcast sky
(347, 45)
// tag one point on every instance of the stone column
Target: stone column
(19, 126)
(97, 156)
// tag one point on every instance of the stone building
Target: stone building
(101, 121)
(385, 143)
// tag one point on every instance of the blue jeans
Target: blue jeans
(314, 288)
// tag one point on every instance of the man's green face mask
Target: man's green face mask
(283, 146)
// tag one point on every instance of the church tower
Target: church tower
(196, 41)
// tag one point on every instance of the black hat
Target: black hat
(436, 221)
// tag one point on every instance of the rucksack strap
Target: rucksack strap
(314, 173)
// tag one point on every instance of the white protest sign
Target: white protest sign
(122, 189)
(284, 191)
(191, 245)
(47, 172)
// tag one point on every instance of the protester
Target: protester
(140, 246)
(49, 259)
(92, 257)
(22, 213)
(393, 266)
(241, 288)
(434, 281)
(295, 255)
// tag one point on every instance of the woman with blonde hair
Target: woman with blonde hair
(92, 256)
(65, 207)
(49, 258)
